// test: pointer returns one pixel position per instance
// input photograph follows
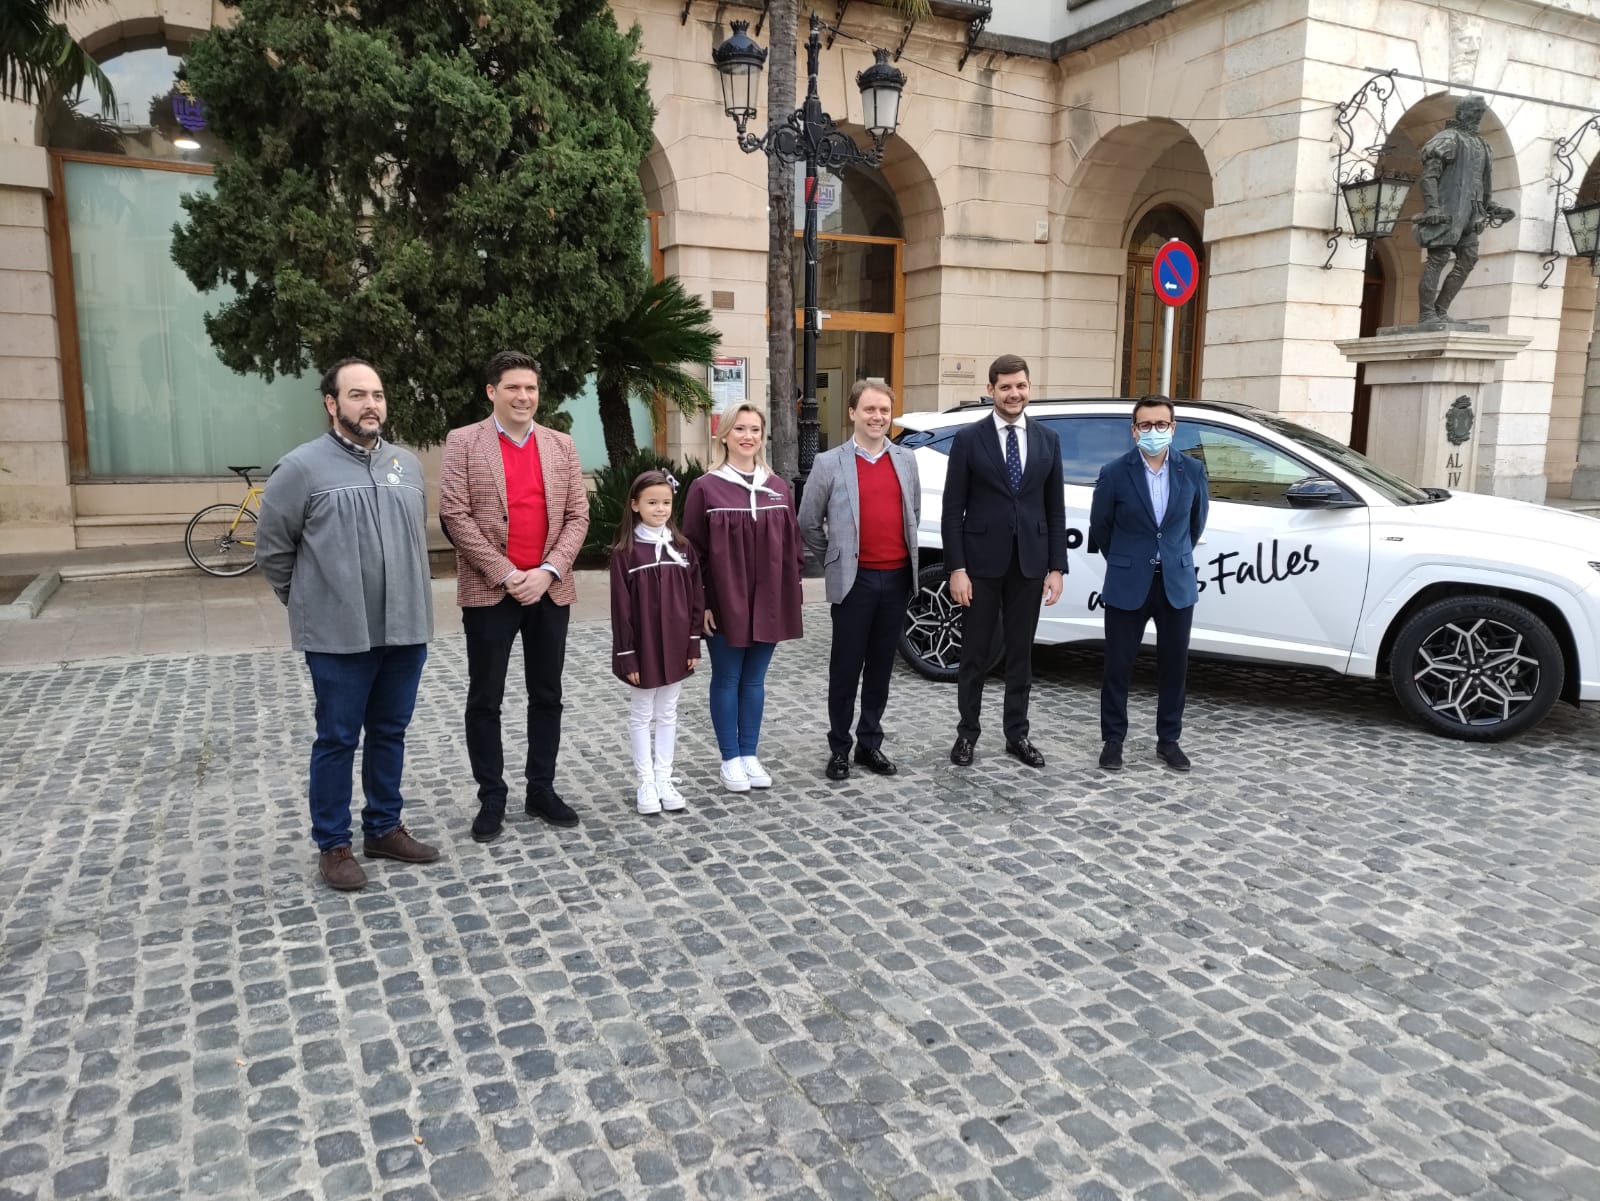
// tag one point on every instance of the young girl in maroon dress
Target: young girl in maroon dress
(657, 606)
(740, 520)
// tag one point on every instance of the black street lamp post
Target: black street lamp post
(808, 135)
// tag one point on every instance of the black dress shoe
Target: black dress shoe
(1026, 751)
(875, 761)
(1111, 756)
(1172, 755)
(547, 806)
(961, 753)
(839, 766)
(486, 827)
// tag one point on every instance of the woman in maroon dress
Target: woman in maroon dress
(656, 613)
(740, 519)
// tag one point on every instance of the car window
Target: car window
(1240, 467)
(1088, 444)
(938, 440)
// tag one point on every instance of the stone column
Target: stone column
(36, 502)
(1428, 387)
(1586, 479)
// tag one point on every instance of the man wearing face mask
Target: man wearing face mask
(1148, 513)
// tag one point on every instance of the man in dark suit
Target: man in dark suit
(1148, 512)
(1005, 545)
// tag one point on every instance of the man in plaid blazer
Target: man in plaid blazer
(512, 501)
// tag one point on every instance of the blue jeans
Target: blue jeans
(738, 694)
(375, 690)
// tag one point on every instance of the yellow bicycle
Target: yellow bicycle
(221, 538)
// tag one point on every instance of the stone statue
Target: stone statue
(1456, 202)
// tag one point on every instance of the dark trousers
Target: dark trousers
(1006, 607)
(374, 691)
(1124, 633)
(490, 632)
(866, 633)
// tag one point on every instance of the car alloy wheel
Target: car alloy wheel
(1477, 668)
(931, 639)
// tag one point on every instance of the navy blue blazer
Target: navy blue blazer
(983, 520)
(1122, 524)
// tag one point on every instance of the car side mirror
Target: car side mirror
(1319, 492)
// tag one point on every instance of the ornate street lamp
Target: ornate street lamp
(1374, 205)
(810, 136)
(1583, 223)
(1583, 220)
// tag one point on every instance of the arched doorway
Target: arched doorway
(860, 290)
(1142, 317)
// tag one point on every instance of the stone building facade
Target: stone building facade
(1045, 150)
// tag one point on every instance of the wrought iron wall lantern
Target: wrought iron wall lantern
(1372, 195)
(1582, 220)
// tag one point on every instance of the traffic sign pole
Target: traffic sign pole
(1174, 276)
(1166, 345)
(1166, 350)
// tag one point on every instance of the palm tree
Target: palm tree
(641, 355)
(39, 58)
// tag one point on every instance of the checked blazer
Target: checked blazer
(472, 509)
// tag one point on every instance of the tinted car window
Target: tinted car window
(938, 440)
(1088, 444)
(1241, 468)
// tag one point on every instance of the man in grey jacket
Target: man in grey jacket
(341, 540)
(859, 516)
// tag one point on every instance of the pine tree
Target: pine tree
(422, 184)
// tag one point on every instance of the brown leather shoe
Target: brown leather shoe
(341, 871)
(398, 844)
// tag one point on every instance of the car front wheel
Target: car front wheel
(931, 639)
(1477, 668)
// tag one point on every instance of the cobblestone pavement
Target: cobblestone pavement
(1342, 959)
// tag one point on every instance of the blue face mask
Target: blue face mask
(1153, 442)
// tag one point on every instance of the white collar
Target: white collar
(757, 483)
(661, 537)
(1001, 424)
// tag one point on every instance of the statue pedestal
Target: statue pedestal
(1426, 408)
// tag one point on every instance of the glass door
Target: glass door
(843, 357)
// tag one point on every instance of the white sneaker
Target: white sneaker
(671, 799)
(756, 774)
(734, 778)
(649, 800)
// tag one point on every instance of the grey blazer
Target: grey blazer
(830, 513)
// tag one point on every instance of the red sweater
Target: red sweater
(528, 521)
(883, 529)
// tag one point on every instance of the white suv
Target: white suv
(1483, 611)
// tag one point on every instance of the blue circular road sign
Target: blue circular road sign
(1176, 273)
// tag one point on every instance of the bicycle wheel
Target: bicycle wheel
(221, 540)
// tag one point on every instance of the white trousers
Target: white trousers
(660, 706)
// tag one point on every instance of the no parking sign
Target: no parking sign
(1175, 272)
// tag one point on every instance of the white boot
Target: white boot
(671, 799)
(649, 800)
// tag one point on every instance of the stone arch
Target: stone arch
(922, 221)
(1128, 172)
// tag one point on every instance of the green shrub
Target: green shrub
(609, 498)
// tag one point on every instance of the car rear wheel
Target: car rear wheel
(1477, 668)
(931, 639)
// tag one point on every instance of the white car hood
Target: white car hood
(1498, 515)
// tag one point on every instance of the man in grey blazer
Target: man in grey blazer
(859, 516)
